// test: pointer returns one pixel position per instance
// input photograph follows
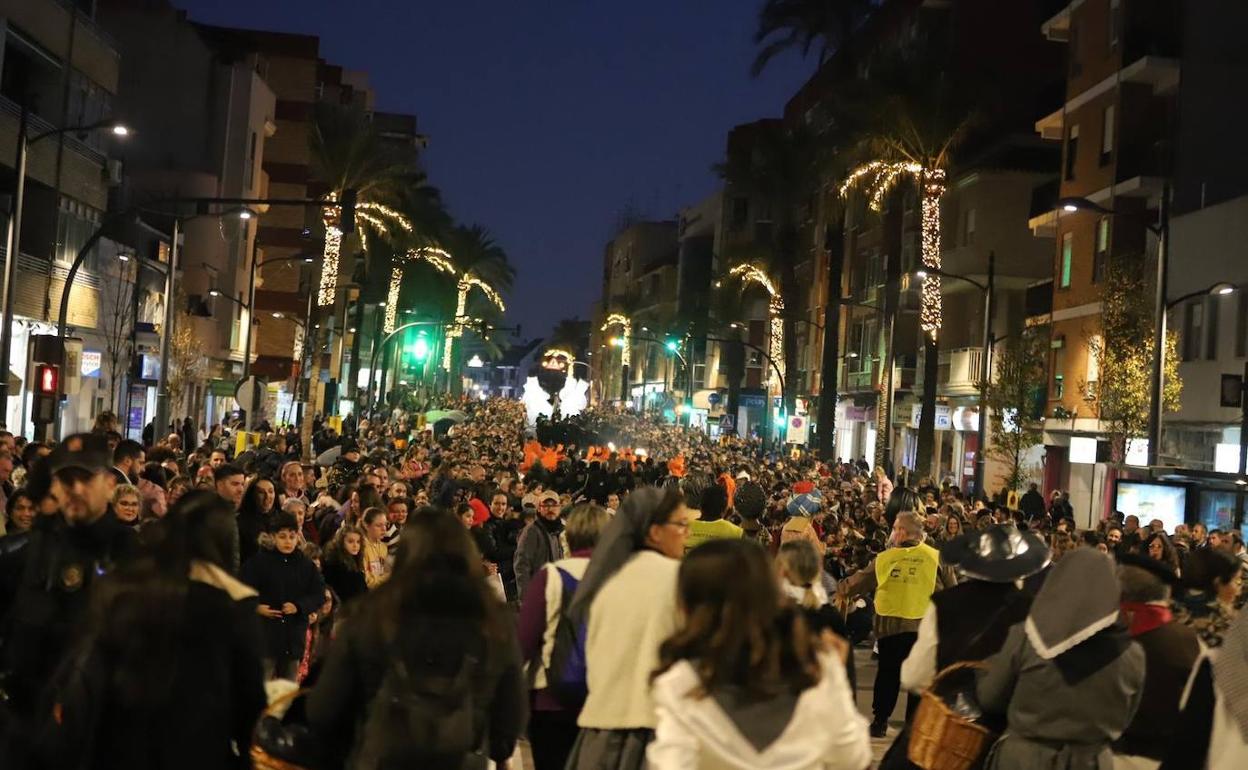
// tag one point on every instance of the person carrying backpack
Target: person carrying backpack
(426, 672)
(553, 644)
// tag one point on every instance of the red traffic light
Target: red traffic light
(47, 377)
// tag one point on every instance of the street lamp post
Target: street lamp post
(1157, 380)
(249, 306)
(15, 235)
(985, 356)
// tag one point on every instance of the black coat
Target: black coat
(503, 536)
(216, 696)
(281, 578)
(1032, 504)
(360, 658)
(250, 526)
(48, 582)
(346, 583)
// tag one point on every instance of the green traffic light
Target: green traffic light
(673, 345)
(420, 348)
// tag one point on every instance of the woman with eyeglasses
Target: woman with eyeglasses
(627, 600)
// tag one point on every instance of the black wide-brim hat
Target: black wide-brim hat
(999, 554)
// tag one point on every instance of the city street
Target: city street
(441, 385)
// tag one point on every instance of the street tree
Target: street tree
(116, 326)
(1123, 351)
(186, 359)
(1015, 404)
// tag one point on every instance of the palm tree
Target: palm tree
(480, 263)
(349, 154)
(782, 166)
(802, 24)
(917, 122)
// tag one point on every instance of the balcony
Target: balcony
(957, 372)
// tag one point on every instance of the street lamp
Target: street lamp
(15, 235)
(985, 354)
(1162, 231)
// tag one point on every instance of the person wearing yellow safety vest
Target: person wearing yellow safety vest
(904, 577)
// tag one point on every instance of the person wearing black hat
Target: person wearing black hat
(1170, 651)
(970, 620)
(52, 575)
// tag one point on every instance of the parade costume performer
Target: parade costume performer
(1068, 678)
(969, 622)
(552, 389)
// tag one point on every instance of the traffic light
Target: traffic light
(47, 377)
(672, 344)
(420, 348)
(346, 218)
(46, 392)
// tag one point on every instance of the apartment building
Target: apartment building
(1115, 124)
(202, 123)
(1209, 242)
(639, 280)
(60, 67)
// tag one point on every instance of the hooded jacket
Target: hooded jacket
(824, 730)
(279, 578)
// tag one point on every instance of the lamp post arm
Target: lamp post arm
(372, 364)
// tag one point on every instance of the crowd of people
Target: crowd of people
(618, 592)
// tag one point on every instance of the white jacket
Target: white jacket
(825, 732)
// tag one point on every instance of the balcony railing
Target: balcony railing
(36, 125)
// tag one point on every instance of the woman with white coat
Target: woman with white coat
(745, 685)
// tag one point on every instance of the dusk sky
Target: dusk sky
(547, 119)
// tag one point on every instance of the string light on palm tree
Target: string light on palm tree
(749, 273)
(370, 216)
(439, 258)
(878, 178)
(456, 329)
(626, 332)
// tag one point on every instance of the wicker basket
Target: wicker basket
(943, 740)
(263, 760)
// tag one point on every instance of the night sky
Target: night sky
(547, 119)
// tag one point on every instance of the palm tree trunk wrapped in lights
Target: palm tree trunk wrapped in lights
(932, 181)
(626, 348)
(775, 314)
(456, 330)
(433, 255)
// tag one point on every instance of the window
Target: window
(1102, 250)
(1241, 324)
(1068, 247)
(1059, 374)
(1115, 23)
(1092, 372)
(1211, 327)
(1193, 327)
(1072, 150)
(1107, 135)
(968, 228)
